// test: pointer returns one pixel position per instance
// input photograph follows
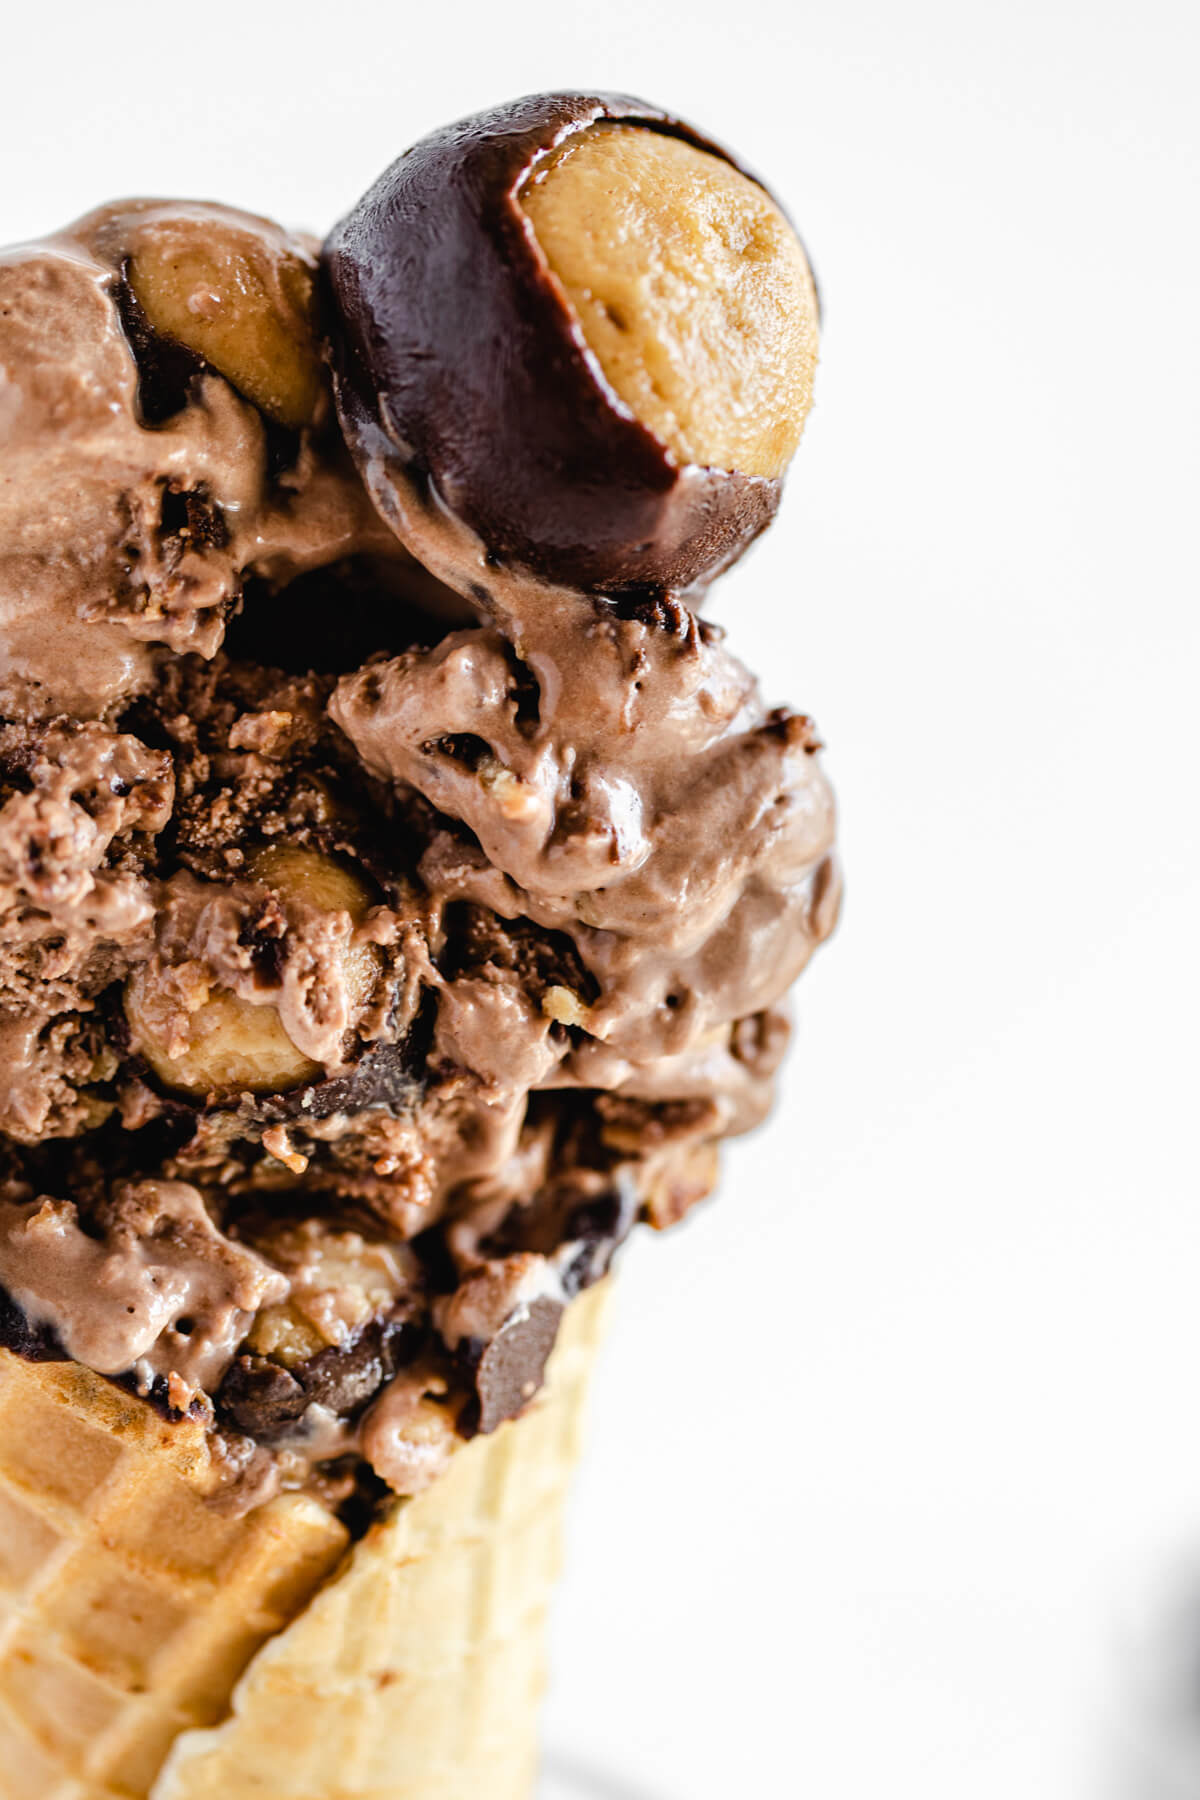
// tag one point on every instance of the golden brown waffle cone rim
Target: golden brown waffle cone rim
(412, 1672)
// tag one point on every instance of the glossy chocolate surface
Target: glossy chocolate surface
(461, 364)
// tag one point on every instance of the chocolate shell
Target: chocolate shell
(460, 366)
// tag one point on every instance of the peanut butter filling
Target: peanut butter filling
(690, 287)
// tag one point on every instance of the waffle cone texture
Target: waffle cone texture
(152, 1648)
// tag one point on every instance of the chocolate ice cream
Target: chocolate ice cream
(399, 877)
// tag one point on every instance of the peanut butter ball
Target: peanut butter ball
(229, 290)
(580, 326)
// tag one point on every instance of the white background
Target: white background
(896, 1462)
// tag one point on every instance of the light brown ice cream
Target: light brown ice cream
(383, 931)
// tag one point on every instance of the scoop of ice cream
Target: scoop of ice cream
(587, 330)
(371, 962)
(161, 407)
(621, 782)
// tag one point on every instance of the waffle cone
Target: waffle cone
(152, 1648)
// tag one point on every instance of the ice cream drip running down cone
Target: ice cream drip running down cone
(400, 880)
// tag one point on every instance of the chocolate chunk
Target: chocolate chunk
(345, 1379)
(264, 1400)
(459, 363)
(261, 1398)
(386, 1076)
(510, 1369)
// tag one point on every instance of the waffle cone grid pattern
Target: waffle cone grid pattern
(129, 1608)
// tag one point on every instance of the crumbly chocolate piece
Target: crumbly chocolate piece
(261, 1398)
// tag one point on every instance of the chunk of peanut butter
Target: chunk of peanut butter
(232, 1045)
(236, 1045)
(238, 293)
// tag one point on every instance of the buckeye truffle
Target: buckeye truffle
(206, 286)
(584, 329)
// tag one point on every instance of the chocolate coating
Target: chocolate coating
(460, 362)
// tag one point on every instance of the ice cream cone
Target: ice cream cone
(398, 885)
(131, 1609)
